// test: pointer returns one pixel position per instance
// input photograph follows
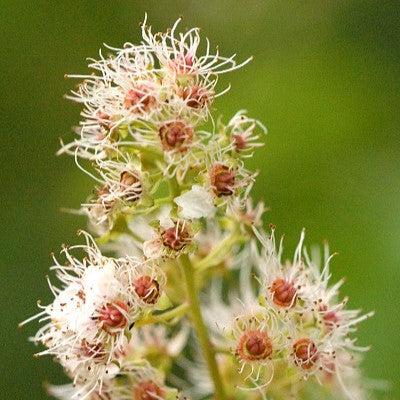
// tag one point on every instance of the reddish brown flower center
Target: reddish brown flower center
(254, 345)
(331, 319)
(195, 96)
(239, 142)
(148, 390)
(104, 120)
(128, 179)
(103, 197)
(175, 135)
(222, 180)
(93, 350)
(176, 237)
(112, 316)
(140, 98)
(283, 293)
(130, 184)
(305, 352)
(147, 289)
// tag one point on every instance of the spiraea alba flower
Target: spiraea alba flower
(179, 290)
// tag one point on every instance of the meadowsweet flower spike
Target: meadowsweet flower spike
(179, 291)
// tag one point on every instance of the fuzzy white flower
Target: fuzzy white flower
(89, 317)
(140, 84)
(243, 134)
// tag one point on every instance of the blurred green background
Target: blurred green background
(326, 82)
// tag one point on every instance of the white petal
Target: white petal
(164, 217)
(196, 203)
(152, 248)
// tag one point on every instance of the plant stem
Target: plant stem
(166, 316)
(174, 189)
(218, 253)
(199, 325)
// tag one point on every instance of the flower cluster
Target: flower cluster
(174, 226)
(289, 325)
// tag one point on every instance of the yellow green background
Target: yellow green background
(325, 80)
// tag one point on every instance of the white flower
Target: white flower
(169, 239)
(86, 324)
(151, 339)
(177, 52)
(140, 84)
(243, 134)
(196, 203)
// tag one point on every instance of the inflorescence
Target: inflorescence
(174, 227)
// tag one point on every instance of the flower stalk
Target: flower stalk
(188, 274)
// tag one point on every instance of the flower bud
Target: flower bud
(222, 180)
(283, 293)
(175, 135)
(305, 353)
(147, 289)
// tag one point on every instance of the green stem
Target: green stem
(199, 325)
(166, 316)
(174, 189)
(218, 253)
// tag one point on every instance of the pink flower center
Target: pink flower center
(182, 64)
(140, 98)
(195, 96)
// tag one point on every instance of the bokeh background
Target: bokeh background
(325, 80)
